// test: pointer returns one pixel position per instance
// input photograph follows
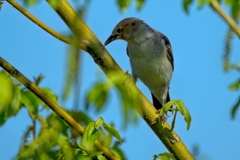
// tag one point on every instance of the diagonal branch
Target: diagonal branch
(215, 6)
(54, 106)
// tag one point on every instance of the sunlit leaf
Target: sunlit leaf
(164, 156)
(118, 152)
(65, 148)
(50, 94)
(98, 95)
(105, 139)
(97, 154)
(229, 2)
(38, 80)
(30, 2)
(57, 124)
(180, 107)
(139, 4)
(112, 131)
(201, 3)
(82, 157)
(186, 4)
(123, 4)
(235, 9)
(6, 91)
(89, 136)
(15, 105)
(235, 86)
(99, 122)
(30, 101)
(80, 117)
(184, 111)
(235, 107)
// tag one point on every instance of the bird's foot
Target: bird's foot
(162, 118)
(158, 111)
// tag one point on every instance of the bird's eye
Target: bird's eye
(118, 30)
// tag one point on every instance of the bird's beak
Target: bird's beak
(110, 39)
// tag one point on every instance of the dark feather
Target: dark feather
(169, 50)
(127, 51)
(157, 104)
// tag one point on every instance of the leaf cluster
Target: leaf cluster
(53, 139)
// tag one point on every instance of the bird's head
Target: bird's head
(125, 30)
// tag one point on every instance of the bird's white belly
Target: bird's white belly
(150, 72)
(150, 64)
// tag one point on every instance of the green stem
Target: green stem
(215, 6)
(42, 25)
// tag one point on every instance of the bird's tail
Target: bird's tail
(157, 104)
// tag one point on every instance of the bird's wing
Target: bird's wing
(169, 50)
(127, 51)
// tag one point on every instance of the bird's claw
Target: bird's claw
(162, 118)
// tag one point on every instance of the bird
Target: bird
(150, 54)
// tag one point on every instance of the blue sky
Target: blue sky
(197, 40)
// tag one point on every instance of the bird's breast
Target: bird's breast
(150, 65)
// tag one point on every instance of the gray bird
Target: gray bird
(150, 54)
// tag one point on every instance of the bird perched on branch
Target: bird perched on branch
(150, 54)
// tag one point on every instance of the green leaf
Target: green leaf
(80, 117)
(96, 154)
(6, 90)
(50, 94)
(123, 4)
(118, 152)
(55, 122)
(235, 86)
(139, 4)
(235, 107)
(30, 101)
(201, 3)
(179, 107)
(99, 122)
(82, 157)
(186, 4)
(38, 80)
(235, 9)
(90, 135)
(229, 2)
(184, 111)
(112, 131)
(30, 2)
(105, 139)
(164, 156)
(98, 95)
(15, 105)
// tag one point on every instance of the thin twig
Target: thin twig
(215, 5)
(44, 26)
